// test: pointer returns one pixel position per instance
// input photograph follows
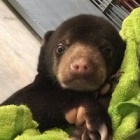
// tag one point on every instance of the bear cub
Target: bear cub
(76, 62)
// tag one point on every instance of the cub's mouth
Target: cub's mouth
(91, 83)
(79, 85)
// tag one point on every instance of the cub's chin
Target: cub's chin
(81, 84)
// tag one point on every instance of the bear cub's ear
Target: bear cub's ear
(41, 63)
(47, 36)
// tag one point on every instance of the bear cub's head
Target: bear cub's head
(81, 53)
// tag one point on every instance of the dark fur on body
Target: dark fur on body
(51, 94)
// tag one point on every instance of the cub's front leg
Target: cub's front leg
(91, 120)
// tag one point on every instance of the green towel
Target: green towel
(53, 134)
(125, 103)
(16, 122)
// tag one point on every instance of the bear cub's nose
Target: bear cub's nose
(80, 66)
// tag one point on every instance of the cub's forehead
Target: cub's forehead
(84, 28)
(89, 37)
(84, 23)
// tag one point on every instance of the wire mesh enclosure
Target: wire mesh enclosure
(116, 10)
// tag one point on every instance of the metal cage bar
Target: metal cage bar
(116, 10)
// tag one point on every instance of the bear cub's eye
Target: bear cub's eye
(107, 52)
(106, 48)
(60, 49)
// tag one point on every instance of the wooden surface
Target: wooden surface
(19, 49)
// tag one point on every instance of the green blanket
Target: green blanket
(16, 122)
(125, 104)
